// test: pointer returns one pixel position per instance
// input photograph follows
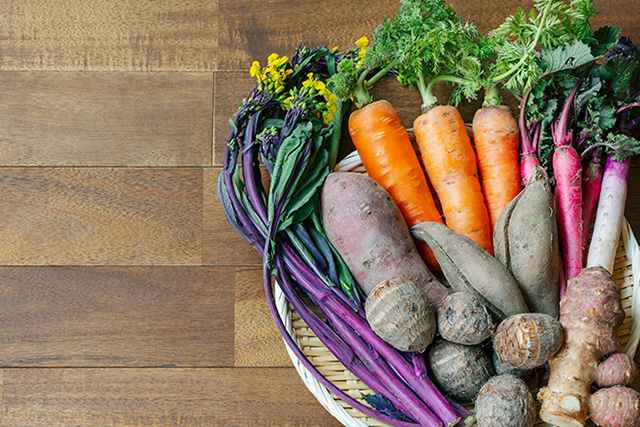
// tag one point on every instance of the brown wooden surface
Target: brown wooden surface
(126, 298)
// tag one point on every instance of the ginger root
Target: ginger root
(590, 313)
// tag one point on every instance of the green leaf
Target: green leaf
(565, 57)
(622, 146)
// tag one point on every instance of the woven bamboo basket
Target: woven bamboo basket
(626, 273)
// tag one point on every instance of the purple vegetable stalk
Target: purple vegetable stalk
(528, 145)
(244, 221)
(591, 185)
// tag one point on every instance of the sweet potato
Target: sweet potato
(505, 401)
(400, 313)
(469, 268)
(367, 229)
(464, 320)
(528, 340)
(525, 240)
(459, 370)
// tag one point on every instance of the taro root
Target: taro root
(502, 368)
(528, 340)
(505, 401)
(459, 370)
(525, 240)
(400, 313)
(463, 319)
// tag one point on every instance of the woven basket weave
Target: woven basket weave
(626, 273)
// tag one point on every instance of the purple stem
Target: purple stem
(311, 368)
(343, 352)
(422, 385)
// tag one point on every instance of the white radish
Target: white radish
(609, 215)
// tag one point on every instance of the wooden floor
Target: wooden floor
(126, 299)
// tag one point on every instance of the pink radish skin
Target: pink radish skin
(568, 172)
(527, 162)
(609, 215)
(591, 184)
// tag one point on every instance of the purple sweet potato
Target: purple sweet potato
(367, 229)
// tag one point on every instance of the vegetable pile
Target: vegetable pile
(458, 295)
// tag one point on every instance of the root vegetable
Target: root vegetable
(400, 313)
(502, 368)
(505, 401)
(615, 407)
(617, 369)
(590, 313)
(459, 370)
(469, 268)
(463, 319)
(451, 166)
(525, 240)
(497, 140)
(528, 340)
(367, 229)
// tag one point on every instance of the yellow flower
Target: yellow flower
(309, 81)
(362, 42)
(255, 70)
(320, 87)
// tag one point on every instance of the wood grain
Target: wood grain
(221, 244)
(158, 397)
(231, 89)
(257, 341)
(117, 316)
(134, 35)
(100, 216)
(281, 26)
(105, 119)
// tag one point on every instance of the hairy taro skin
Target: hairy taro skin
(459, 370)
(505, 401)
(400, 313)
(463, 319)
(367, 229)
(528, 340)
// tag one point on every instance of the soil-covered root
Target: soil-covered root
(459, 370)
(590, 313)
(527, 340)
(400, 313)
(505, 401)
(463, 319)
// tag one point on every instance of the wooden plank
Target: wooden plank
(252, 30)
(87, 216)
(105, 119)
(231, 89)
(116, 316)
(109, 35)
(163, 397)
(221, 244)
(258, 342)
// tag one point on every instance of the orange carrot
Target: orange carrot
(497, 140)
(390, 159)
(450, 162)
